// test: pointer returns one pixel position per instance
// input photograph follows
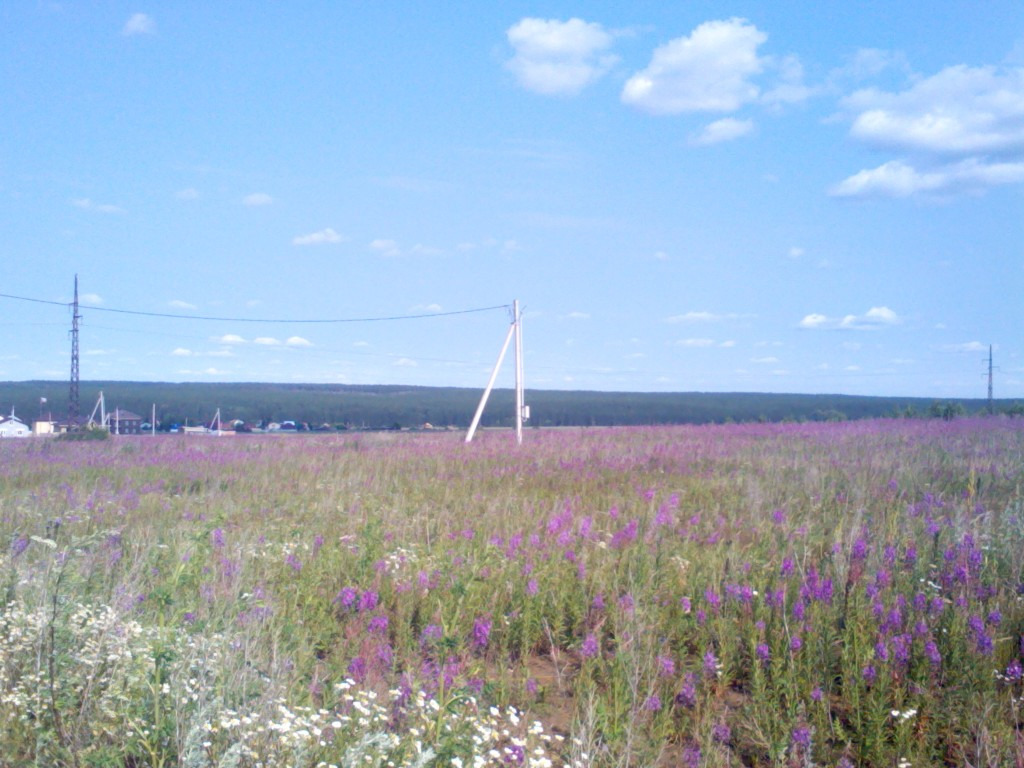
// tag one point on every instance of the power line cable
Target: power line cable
(259, 320)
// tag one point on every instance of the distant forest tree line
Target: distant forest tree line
(393, 407)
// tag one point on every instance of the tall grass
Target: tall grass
(788, 595)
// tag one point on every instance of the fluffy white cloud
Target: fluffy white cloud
(139, 24)
(874, 319)
(558, 57)
(899, 179)
(327, 235)
(179, 304)
(962, 128)
(709, 71)
(257, 198)
(726, 129)
(181, 352)
(298, 341)
(228, 338)
(959, 111)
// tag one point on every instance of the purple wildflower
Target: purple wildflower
(710, 663)
(368, 600)
(346, 598)
(1014, 670)
(481, 632)
(721, 733)
(653, 703)
(589, 648)
(764, 653)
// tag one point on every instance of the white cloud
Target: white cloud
(709, 71)
(90, 298)
(578, 316)
(963, 129)
(139, 24)
(764, 360)
(728, 344)
(425, 250)
(179, 304)
(257, 198)
(267, 341)
(327, 235)
(298, 341)
(88, 205)
(726, 129)
(874, 319)
(228, 338)
(790, 88)
(702, 317)
(959, 111)
(969, 346)
(695, 343)
(795, 252)
(558, 57)
(385, 247)
(182, 352)
(898, 179)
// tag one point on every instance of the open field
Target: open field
(743, 595)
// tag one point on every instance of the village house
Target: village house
(12, 426)
(124, 422)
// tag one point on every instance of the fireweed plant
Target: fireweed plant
(757, 595)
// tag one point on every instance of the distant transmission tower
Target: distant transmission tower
(991, 410)
(73, 405)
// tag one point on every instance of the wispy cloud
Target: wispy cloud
(321, 237)
(139, 24)
(88, 205)
(872, 320)
(695, 343)
(703, 317)
(558, 57)
(267, 341)
(90, 298)
(726, 129)
(257, 199)
(298, 341)
(179, 304)
(385, 247)
(181, 352)
(228, 338)
(967, 346)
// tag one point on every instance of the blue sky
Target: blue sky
(749, 196)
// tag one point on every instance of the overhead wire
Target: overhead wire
(267, 320)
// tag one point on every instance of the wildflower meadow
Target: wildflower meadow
(829, 594)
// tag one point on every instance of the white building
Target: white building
(12, 426)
